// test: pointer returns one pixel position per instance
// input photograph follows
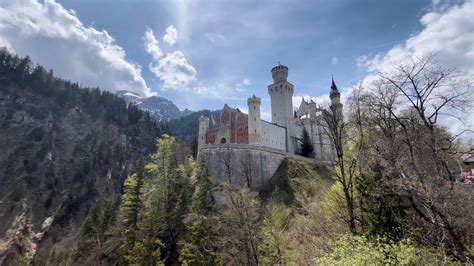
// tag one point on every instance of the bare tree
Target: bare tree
(431, 91)
(406, 105)
(247, 170)
(227, 161)
(239, 236)
(337, 130)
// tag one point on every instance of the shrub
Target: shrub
(358, 250)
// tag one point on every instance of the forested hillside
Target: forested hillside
(63, 149)
(85, 180)
(186, 127)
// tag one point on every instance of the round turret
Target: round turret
(279, 73)
(254, 100)
(254, 122)
(203, 127)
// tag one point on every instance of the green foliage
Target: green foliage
(306, 146)
(100, 218)
(186, 127)
(239, 235)
(99, 105)
(381, 212)
(131, 205)
(199, 245)
(272, 229)
(194, 147)
(358, 250)
(156, 204)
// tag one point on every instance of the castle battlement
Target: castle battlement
(283, 134)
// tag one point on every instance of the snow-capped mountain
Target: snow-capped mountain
(160, 108)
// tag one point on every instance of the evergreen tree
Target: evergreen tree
(165, 199)
(132, 204)
(199, 245)
(194, 147)
(306, 145)
(94, 231)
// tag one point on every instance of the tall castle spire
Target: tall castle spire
(335, 97)
(334, 90)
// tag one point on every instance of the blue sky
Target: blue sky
(253, 36)
(220, 52)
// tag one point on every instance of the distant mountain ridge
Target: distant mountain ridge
(161, 109)
(186, 127)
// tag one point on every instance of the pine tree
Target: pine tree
(132, 204)
(306, 145)
(199, 245)
(165, 199)
(194, 147)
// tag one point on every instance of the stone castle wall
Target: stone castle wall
(238, 163)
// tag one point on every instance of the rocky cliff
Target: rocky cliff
(63, 149)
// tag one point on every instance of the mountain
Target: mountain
(186, 127)
(64, 149)
(161, 109)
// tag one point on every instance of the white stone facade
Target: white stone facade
(286, 127)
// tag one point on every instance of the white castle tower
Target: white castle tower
(281, 93)
(203, 127)
(254, 123)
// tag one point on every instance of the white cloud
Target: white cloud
(449, 31)
(174, 70)
(206, 91)
(55, 37)
(240, 86)
(214, 37)
(151, 44)
(334, 60)
(217, 91)
(171, 35)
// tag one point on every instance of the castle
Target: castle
(284, 132)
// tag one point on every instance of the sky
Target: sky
(202, 54)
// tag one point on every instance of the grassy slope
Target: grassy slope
(297, 182)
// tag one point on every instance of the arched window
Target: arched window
(223, 140)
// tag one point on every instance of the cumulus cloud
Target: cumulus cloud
(151, 44)
(171, 35)
(55, 37)
(448, 31)
(174, 70)
(334, 60)
(450, 34)
(246, 82)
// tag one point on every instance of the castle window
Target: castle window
(254, 107)
(255, 131)
(254, 119)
